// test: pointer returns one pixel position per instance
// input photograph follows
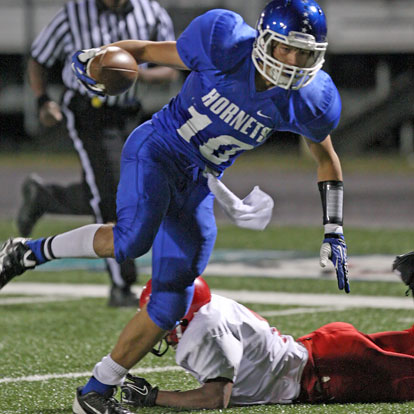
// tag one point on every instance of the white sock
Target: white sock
(74, 243)
(109, 372)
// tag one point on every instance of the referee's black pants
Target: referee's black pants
(98, 135)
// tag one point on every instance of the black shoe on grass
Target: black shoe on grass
(95, 403)
(15, 259)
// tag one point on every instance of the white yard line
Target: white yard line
(34, 299)
(366, 268)
(47, 377)
(261, 263)
(276, 298)
(297, 311)
(318, 299)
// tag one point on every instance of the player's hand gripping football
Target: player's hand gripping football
(334, 248)
(80, 60)
(138, 392)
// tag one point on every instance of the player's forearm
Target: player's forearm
(200, 398)
(37, 78)
(160, 53)
(330, 169)
(158, 74)
(330, 184)
(329, 166)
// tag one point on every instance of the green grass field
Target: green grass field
(57, 343)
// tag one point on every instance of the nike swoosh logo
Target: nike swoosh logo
(142, 390)
(263, 115)
(94, 410)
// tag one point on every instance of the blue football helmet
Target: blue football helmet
(296, 23)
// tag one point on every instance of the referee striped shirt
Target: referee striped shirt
(84, 24)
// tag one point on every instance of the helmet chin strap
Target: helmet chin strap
(162, 346)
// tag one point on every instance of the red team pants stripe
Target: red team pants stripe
(346, 365)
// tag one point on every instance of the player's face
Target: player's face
(287, 55)
(290, 55)
(114, 4)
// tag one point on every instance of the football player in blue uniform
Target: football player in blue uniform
(244, 85)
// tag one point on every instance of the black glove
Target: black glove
(404, 266)
(138, 392)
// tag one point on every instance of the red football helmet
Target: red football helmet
(202, 295)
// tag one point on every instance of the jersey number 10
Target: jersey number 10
(211, 149)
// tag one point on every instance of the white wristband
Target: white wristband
(333, 228)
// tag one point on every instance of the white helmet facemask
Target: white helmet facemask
(281, 74)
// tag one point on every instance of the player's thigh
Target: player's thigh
(143, 197)
(185, 241)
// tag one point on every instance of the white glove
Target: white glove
(253, 212)
(81, 61)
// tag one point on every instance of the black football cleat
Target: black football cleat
(33, 206)
(404, 266)
(123, 297)
(95, 403)
(15, 259)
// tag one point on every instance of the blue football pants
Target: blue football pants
(163, 202)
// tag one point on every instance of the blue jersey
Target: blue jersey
(218, 113)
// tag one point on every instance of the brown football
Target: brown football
(114, 69)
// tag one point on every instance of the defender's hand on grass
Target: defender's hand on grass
(334, 248)
(404, 266)
(138, 392)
